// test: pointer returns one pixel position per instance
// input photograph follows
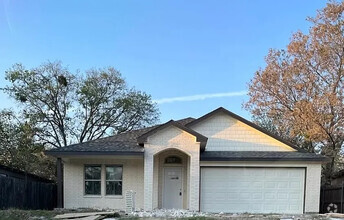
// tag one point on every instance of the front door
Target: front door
(173, 194)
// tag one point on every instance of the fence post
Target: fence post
(322, 200)
(26, 202)
(59, 183)
(341, 199)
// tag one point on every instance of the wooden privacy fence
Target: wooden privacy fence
(332, 199)
(26, 194)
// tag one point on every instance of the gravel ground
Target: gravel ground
(185, 214)
(15, 214)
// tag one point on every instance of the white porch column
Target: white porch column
(148, 181)
(194, 181)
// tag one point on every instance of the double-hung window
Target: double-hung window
(114, 175)
(93, 179)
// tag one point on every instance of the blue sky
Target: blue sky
(208, 50)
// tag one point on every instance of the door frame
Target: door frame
(163, 183)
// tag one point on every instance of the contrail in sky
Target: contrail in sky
(199, 97)
(6, 5)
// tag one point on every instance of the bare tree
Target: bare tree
(68, 108)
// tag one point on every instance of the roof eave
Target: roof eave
(93, 153)
(218, 159)
(203, 145)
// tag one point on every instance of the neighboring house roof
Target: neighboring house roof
(121, 144)
(199, 138)
(338, 174)
(243, 120)
(19, 174)
(260, 156)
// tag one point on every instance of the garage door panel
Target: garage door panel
(256, 190)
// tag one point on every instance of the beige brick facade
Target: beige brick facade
(74, 183)
(171, 138)
(228, 134)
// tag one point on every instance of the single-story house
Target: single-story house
(219, 162)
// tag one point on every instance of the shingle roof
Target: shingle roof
(118, 144)
(260, 156)
(127, 144)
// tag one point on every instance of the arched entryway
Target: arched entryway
(171, 176)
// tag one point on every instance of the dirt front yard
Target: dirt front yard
(15, 214)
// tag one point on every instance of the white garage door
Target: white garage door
(253, 190)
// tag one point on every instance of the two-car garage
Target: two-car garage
(252, 189)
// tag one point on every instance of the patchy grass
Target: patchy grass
(16, 214)
(198, 218)
(166, 218)
(130, 218)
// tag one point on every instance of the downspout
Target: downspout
(59, 183)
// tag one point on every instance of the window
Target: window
(93, 179)
(114, 180)
(173, 159)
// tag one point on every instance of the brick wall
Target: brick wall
(74, 184)
(168, 139)
(228, 134)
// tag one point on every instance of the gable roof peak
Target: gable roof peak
(245, 121)
(199, 137)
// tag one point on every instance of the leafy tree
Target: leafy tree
(301, 88)
(68, 108)
(104, 102)
(19, 150)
